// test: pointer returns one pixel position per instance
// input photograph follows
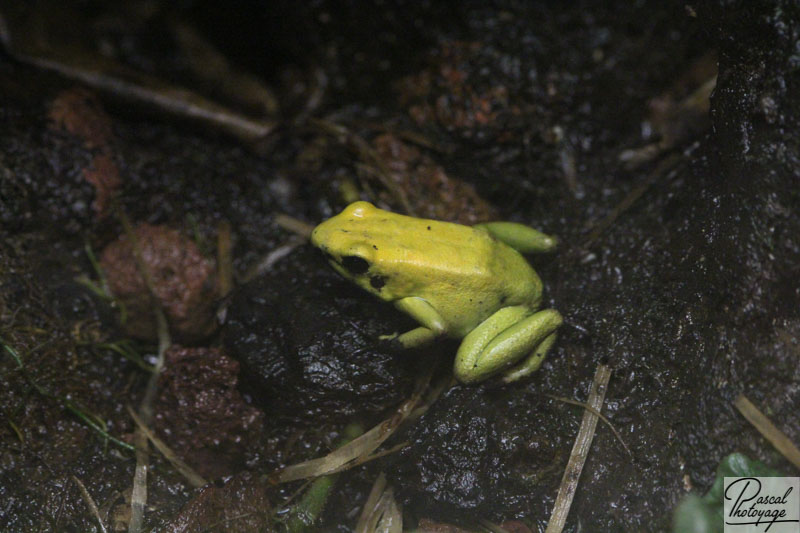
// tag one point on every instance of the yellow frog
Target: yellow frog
(464, 282)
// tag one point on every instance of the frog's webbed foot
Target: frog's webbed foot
(511, 335)
(420, 310)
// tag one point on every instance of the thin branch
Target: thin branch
(134, 86)
(580, 450)
(663, 168)
(225, 258)
(770, 431)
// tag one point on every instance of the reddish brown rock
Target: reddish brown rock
(79, 113)
(240, 506)
(452, 93)
(184, 283)
(200, 414)
(430, 191)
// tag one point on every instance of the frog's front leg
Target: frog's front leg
(423, 312)
(510, 335)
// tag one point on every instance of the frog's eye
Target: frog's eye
(355, 265)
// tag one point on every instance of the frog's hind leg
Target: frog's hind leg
(522, 238)
(508, 336)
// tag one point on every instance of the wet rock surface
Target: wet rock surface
(469, 454)
(292, 330)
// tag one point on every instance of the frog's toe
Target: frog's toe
(532, 363)
(416, 337)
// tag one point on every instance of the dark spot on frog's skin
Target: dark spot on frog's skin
(429, 228)
(374, 246)
(503, 299)
(377, 282)
(355, 265)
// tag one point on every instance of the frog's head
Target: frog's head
(348, 241)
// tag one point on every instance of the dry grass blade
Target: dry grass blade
(267, 262)
(764, 425)
(90, 503)
(391, 514)
(492, 527)
(363, 445)
(371, 505)
(598, 414)
(194, 479)
(294, 225)
(371, 457)
(381, 512)
(139, 492)
(583, 442)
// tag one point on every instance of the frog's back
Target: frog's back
(468, 283)
(461, 271)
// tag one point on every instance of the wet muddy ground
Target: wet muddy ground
(677, 216)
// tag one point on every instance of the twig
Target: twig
(224, 258)
(569, 483)
(146, 90)
(764, 425)
(90, 503)
(369, 155)
(407, 135)
(663, 168)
